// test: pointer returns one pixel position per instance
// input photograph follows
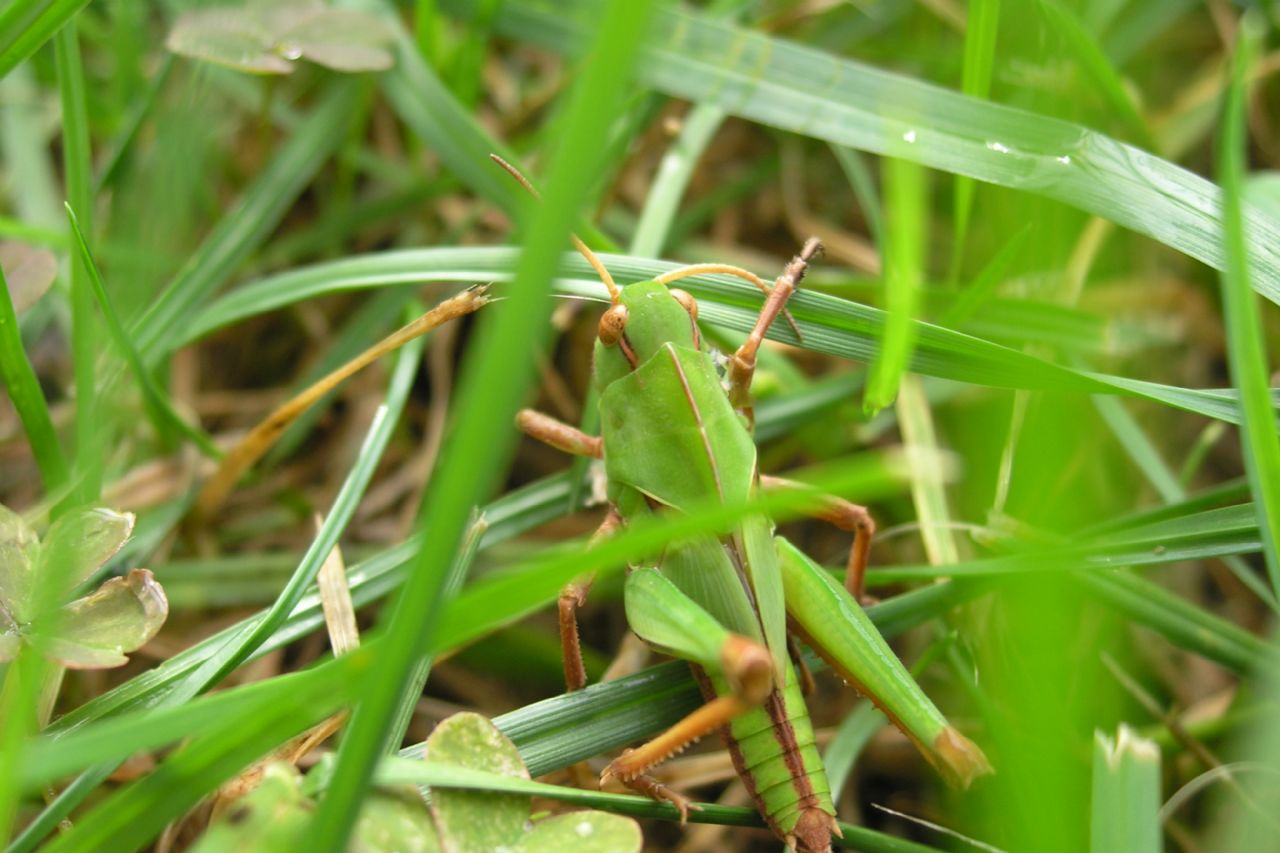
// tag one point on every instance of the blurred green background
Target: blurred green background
(1036, 218)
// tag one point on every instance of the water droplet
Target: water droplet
(1064, 160)
(909, 136)
(291, 51)
(998, 147)
(584, 828)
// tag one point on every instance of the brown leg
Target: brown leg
(558, 434)
(572, 597)
(848, 517)
(742, 366)
(748, 668)
(655, 790)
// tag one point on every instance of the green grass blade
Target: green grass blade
(225, 651)
(28, 398)
(1246, 349)
(90, 437)
(147, 730)
(905, 200)
(983, 24)
(495, 374)
(1098, 69)
(234, 653)
(133, 816)
(247, 225)
(781, 84)
(828, 324)
(160, 412)
(1126, 794)
(25, 26)
(671, 179)
(399, 771)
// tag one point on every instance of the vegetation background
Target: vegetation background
(1063, 280)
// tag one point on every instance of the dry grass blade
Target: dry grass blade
(260, 438)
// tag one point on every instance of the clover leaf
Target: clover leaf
(269, 38)
(92, 632)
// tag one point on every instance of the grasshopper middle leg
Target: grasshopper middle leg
(846, 516)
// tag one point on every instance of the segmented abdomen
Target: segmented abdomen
(774, 752)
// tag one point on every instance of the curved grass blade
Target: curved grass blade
(231, 648)
(131, 817)
(814, 93)
(828, 324)
(159, 411)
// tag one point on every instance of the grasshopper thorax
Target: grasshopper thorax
(647, 316)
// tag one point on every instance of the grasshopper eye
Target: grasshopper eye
(686, 300)
(613, 324)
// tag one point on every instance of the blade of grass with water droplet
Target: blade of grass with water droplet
(772, 81)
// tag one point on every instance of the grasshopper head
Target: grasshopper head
(647, 316)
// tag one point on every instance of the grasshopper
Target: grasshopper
(672, 437)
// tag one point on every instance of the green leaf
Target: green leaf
(19, 553)
(96, 631)
(227, 36)
(583, 832)
(270, 817)
(82, 541)
(395, 822)
(470, 820)
(268, 39)
(827, 324)
(340, 39)
(496, 371)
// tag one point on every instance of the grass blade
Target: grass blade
(1126, 794)
(28, 398)
(774, 82)
(982, 25)
(1246, 350)
(828, 324)
(495, 374)
(89, 432)
(905, 198)
(160, 412)
(25, 26)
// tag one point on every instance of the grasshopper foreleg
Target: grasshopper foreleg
(845, 516)
(558, 434)
(742, 365)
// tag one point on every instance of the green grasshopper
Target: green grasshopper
(673, 437)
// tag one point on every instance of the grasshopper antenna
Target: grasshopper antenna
(583, 249)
